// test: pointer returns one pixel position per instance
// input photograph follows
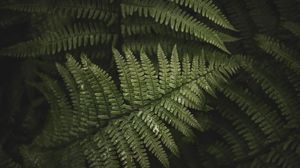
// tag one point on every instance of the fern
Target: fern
(280, 92)
(261, 113)
(122, 125)
(171, 15)
(139, 27)
(249, 119)
(280, 51)
(164, 17)
(66, 39)
(279, 155)
(242, 123)
(238, 145)
(207, 9)
(78, 9)
(292, 27)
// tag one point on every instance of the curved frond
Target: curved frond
(171, 15)
(293, 27)
(207, 8)
(279, 51)
(88, 9)
(128, 122)
(65, 39)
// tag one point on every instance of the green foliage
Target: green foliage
(78, 9)
(255, 116)
(292, 27)
(65, 39)
(173, 16)
(73, 20)
(115, 127)
(208, 9)
(280, 51)
(136, 107)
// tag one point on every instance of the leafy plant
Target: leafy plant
(244, 95)
(99, 120)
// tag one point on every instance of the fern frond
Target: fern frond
(173, 16)
(279, 51)
(144, 26)
(184, 46)
(207, 8)
(277, 155)
(89, 9)
(293, 27)
(242, 21)
(272, 154)
(221, 151)
(235, 124)
(73, 156)
(65, 39)
(242, 123)
(149, 44)
(133, 119)
(31, 159)
(278, 90)
(262, 114)
(136, 26)
(238, 145)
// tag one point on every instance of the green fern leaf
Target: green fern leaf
(66, 39)
(279, 51)
(116, 127)
(89, 9)
(292, 27)
(173, 16)
(279, 90)
(208, 9)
